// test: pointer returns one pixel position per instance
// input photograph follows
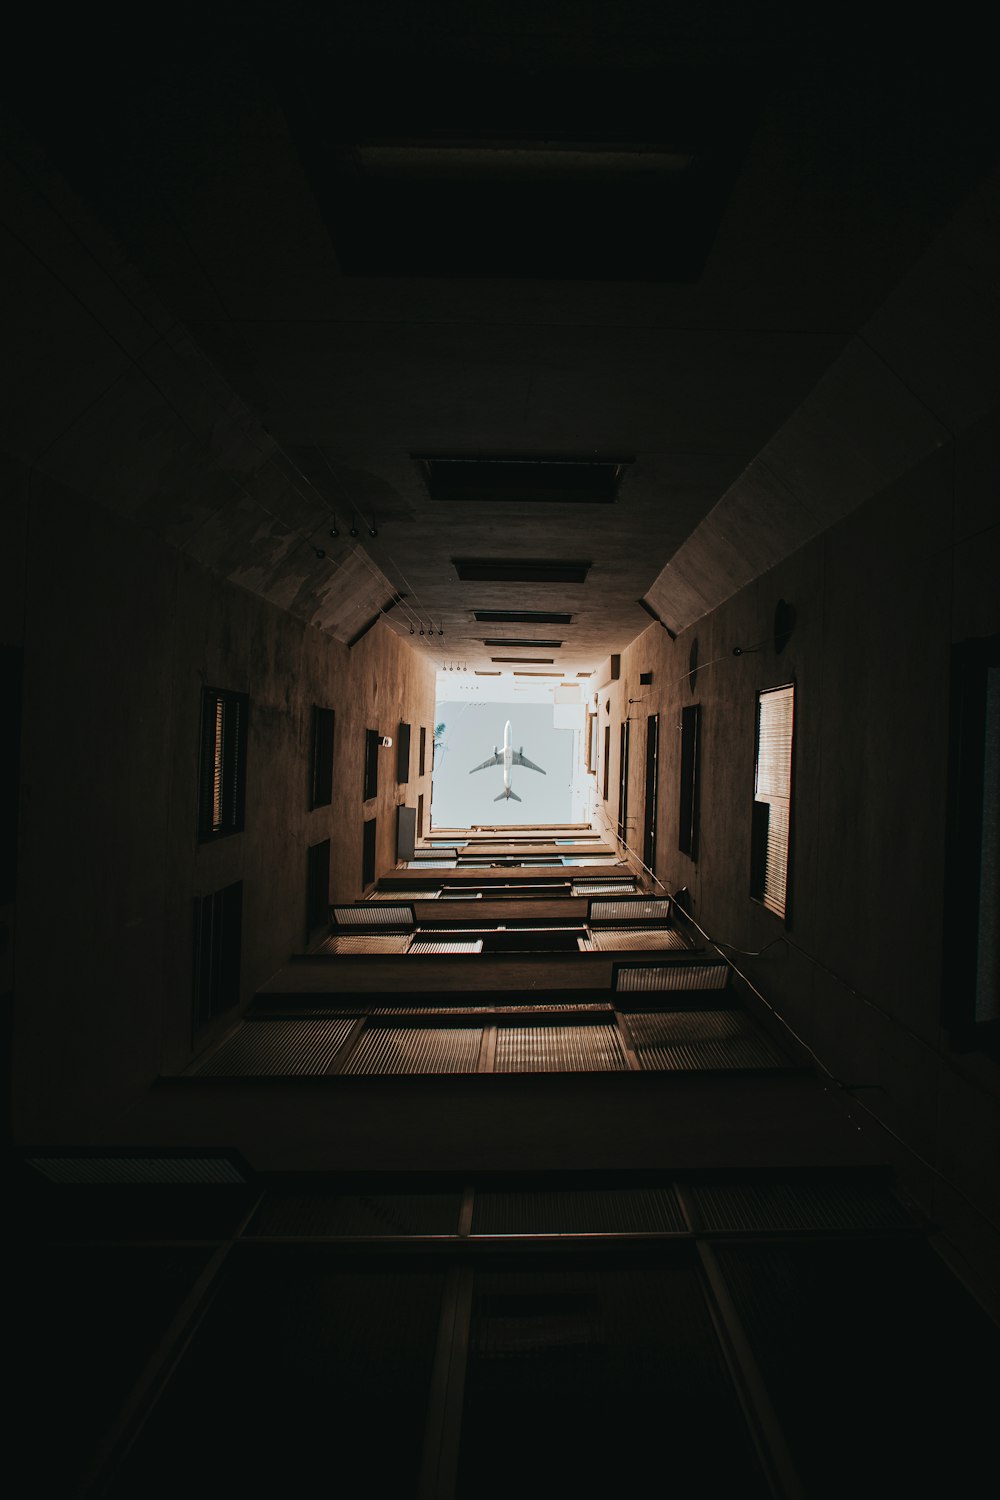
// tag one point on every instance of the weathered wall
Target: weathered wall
(121, 633)
(879, 600)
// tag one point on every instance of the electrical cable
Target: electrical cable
(837, 1082)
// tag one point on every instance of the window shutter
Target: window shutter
(775, 728)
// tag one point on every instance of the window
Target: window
(770, 834)
(420, 813)
(649, 809)
(218, 925)
(403, 753)
(422, 761)
(372, 743)
(11, 674)
(368, 855)
(318, 886)
(524, 480)
(687, 838)
(607, 759)
(623, 783)
(972, 900)
(520, 570)
(321, 778)
(523, 617)
(222, 782)
(406, 833)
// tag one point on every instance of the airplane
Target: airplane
(507, 757)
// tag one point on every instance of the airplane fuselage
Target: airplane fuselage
(507, 758)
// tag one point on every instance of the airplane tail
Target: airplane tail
(504, 796)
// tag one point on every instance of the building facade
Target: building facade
(653, 359)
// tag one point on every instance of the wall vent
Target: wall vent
(778, 1207)
(603, 887)
(430, 945)
(522, 617)
(539, 645)
(87, 1171)
(278, 1048)
(637, 910)
(559, 1049)
(414, 893)
(647, 978)
(416, 1049)
(380, 914)
(528, 480)
(653, 1210)
(520, 570)
(689, 1041)
(356, 1215)
(366, 942)
(625, 939)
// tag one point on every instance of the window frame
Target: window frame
(403, 737)
(317, 886)
(373, 742)
(223, 739)
(689, 791)
(652, 796)
(216, 954)
(763, 843)
(623, 769)
(369, 852)
(973, 756)
(324, 721)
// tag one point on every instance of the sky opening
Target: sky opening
(469, 720)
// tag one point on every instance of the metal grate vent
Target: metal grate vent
(696, 1057)
(688, 1025)
(381, 914)
(638, 909)
(365, 942)
(603, 888)
(579, 1211)
(559, 1049)
(774, 1206)
(84, 1171)
(371, 1215)
(431, 864)
(431, 893)
(278, 1048)
(687, 1041)
(490, 1010)
(626, 939)
(673, 977)
(428, 945)
(416, 1049)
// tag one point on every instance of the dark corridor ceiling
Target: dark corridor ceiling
(536, 232)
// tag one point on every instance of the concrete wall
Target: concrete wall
(879, 600)
(120, 635)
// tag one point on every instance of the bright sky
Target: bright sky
(472, 729)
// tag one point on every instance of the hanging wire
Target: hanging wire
(837, 1082)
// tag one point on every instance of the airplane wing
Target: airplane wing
(494, 760)
(522, 760)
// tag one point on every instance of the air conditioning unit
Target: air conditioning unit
(386, 742)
